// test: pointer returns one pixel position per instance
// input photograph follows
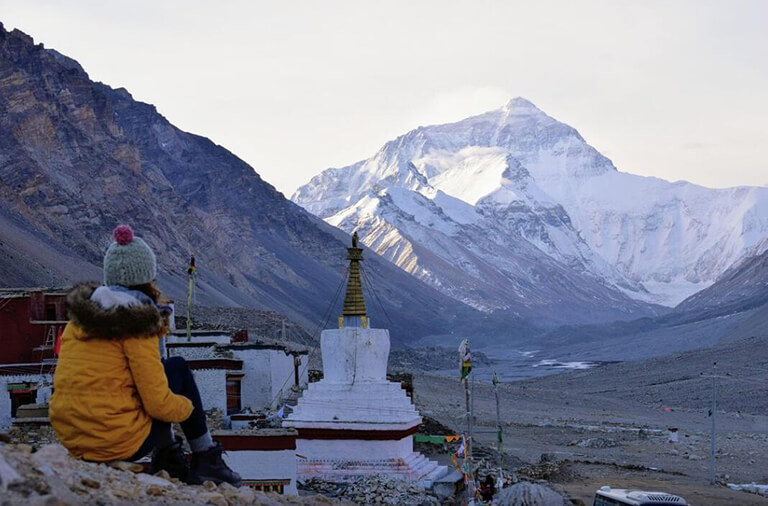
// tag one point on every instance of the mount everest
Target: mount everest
(512, 210)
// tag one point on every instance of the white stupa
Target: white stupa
(354, 422)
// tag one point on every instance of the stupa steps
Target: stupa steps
(342, 407)
(356, 397)
(415, 468)
(375, 388)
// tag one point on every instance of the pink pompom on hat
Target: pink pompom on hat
(123, 234)
(129, 261)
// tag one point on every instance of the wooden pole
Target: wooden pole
(712, 441)
(470, 474)
(499, 434)
(189, 307)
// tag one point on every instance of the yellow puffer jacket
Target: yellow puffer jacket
(109, 382)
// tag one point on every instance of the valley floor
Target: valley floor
(612, 426)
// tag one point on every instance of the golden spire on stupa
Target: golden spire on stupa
(354, 301)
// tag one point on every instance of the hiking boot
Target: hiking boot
(172, 460)
(209, 465)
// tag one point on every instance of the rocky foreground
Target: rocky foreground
(49, 476)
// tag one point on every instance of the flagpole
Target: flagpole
(499, 435)
(189, 310)
(468, 458)
(466, 368)
(191, 270)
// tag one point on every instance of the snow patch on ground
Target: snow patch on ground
(752, 488)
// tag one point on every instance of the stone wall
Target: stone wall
(192, 352)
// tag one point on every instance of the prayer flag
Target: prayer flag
(465, 358)
(57, 345)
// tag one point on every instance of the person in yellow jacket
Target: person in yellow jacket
(114, 397)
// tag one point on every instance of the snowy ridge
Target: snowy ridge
(513, 210)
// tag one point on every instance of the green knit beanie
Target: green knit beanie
(128, 261)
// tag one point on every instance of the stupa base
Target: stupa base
(415, 468)
(348, 458)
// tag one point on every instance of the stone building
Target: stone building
(233, 376)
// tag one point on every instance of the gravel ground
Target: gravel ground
(51, 477)
(611, 422)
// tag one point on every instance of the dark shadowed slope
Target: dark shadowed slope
(735, 307)
(743, 286)
(78, 157)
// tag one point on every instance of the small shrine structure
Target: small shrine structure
(354, 422)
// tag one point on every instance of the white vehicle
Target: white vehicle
(608, 496)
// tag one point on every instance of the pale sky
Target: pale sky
(674, 89)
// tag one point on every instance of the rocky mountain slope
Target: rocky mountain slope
(78, 157)
(743, 286)
(734, 308)
(513, 208)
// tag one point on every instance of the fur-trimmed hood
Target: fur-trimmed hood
(106, 313)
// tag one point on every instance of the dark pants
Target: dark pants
(180, 381)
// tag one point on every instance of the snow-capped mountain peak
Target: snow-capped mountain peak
(520, 106)
(464, 197)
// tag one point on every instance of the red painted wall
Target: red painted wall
(19, 335)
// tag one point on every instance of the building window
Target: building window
(233, 394)
(50, 312)
(21, 394)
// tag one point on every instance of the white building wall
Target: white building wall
(269, 376)
(304, 371)
(255, 388)
(343, 450)
(212, 384)
(282, 375)
(44, 392)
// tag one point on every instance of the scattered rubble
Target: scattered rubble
(373, 490)
(34, 434)
(548, 469)
(50, 476)
(594, 443)
(530, 494)
(215, 420)
(433, 358)
(262, 325)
